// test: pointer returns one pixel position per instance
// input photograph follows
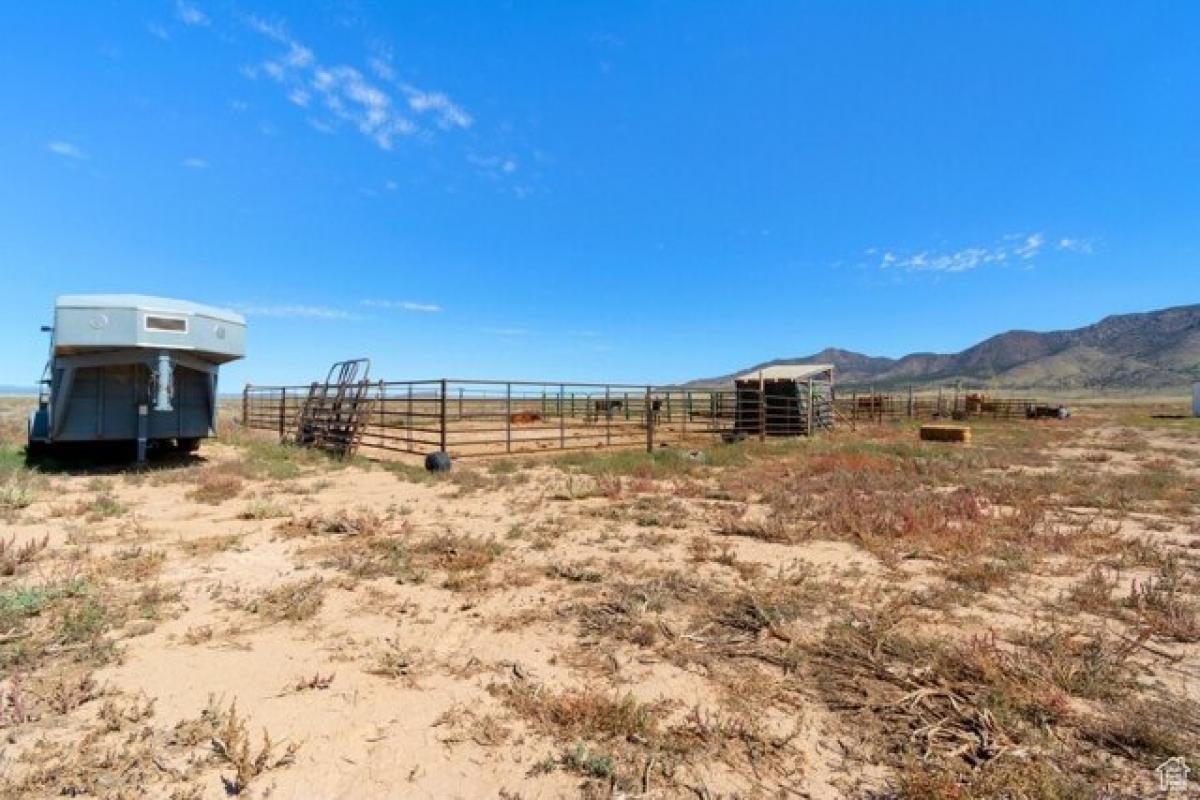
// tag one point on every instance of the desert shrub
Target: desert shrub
(15, 493)
(1163, 604)
(100, 506)
(292, 602)
(215, 486)
(13, 556)
(263, 509)
(582, 713)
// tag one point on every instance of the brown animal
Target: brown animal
(524, 417)
(873, 402)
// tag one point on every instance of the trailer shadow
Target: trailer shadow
(107, 459)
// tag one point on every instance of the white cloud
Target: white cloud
(1085, 246)
(195, 163)
(448, 114)
(294, 312)
(383, 68)
(345, 96)
(189, 14)
(1030, 247)
(1013, 248)
(404, 305)
(157, 30)
(66, 150)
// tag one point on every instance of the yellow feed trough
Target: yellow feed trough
(945, 433)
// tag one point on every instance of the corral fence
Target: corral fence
(955, 404)
(484, 417)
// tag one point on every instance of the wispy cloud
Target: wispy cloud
(195, 163)
(383, 112)
(1014, 249)
(66, 150)
(294, 311)
(493, 166)
(158, 31)
(404, 305)
(507, 331)
(190, 14)
(1028, 246)
(1085, 246)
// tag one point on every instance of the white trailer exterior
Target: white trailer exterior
(134, 368)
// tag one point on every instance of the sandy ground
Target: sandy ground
(401, 681)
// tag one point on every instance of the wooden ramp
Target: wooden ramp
(335, 413)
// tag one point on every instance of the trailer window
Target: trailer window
(171, 324)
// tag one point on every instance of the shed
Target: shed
(785, 400)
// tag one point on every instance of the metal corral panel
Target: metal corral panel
(1196, 399)
(93, 322)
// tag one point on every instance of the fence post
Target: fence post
(910, 401)
(808, 431)
(442, 416)
(762, 407)
(687, 408)
(282, 410)
(607, 416)
(381, 393)
(508, 418)
(649, 422)
(408, 419)
(246, 406)
(460, 402)
(562, 420)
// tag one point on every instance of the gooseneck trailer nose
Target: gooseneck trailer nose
(133, 368)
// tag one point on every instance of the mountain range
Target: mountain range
(1155, 350)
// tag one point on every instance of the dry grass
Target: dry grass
(295, 601)
(214, 486)
(232, 745)
(14, 557)
(860, 615)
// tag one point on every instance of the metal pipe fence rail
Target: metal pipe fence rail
(875, 407)
(479, 418)
(483, 418)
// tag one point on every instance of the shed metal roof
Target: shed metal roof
(786, 372)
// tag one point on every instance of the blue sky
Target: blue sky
(612, 191)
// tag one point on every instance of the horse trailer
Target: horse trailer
(132, 368)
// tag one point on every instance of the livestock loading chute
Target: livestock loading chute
(133, 368)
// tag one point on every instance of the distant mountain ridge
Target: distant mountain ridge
(1151, 350)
